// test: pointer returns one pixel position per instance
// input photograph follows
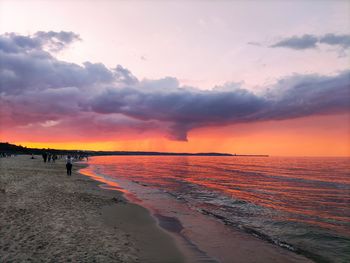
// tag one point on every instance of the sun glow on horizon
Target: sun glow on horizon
(300, 137)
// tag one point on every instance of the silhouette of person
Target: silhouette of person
(69, 165)
(44, 157)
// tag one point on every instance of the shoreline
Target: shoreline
(170, 225)
(48, 216)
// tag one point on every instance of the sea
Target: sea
(299, 203)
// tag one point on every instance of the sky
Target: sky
(245, 77)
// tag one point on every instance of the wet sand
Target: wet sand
(47, 216)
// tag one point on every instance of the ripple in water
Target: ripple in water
(298, 203)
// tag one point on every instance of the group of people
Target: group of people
(51, 157)
(48, 157)
(5, 154)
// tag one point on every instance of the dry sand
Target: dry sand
(47, 216)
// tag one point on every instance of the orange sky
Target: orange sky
(168, 76)
(311, 136)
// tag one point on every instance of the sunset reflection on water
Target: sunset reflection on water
(301, 200)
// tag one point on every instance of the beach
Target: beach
(47, 216)
(175, 131)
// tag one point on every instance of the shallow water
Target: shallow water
(298, 203)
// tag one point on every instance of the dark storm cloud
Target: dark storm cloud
(37, 88)
(293, 97)
(312, 41)
(184, 108)
(306, 95)
(178, 105)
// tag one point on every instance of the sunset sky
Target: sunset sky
(245, 77)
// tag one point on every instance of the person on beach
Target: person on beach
(45, 157)
(69, 165)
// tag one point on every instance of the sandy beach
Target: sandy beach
(47, 216)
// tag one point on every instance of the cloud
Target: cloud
(26, 65)
(49, 123)
(332, 39)
(53, 41)
(253, 43)
(39, 91)
(56, 41)
(312, 41)
(293, 97)
(124, 75)
(295, 42)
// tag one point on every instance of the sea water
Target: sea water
(301, 204)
